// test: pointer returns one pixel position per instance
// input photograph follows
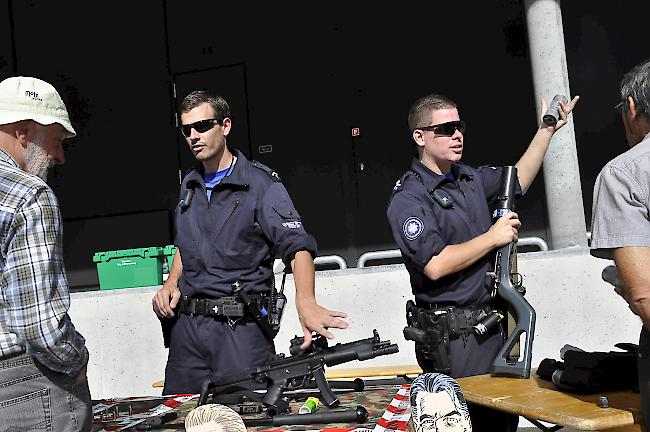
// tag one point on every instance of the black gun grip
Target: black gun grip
(273, 394)
(415, 334)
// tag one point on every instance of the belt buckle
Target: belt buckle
(200, 306)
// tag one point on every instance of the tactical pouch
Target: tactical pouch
(461, 322)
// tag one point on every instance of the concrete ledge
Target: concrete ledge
(574, 306)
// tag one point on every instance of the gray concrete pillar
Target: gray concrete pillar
(566, 214)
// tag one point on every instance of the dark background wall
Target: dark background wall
(298, 86)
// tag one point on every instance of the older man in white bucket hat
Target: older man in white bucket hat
(42, 357)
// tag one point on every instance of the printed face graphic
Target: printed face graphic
(438, 412)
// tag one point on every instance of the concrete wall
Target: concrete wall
(574, 306)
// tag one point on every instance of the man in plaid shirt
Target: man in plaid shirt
(43, 359)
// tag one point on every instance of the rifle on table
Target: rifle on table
(297, 371)
(505, 364)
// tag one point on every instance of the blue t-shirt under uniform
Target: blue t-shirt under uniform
(213, 179)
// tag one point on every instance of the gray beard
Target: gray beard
(37, 162)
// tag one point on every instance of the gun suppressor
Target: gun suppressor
(553, 112)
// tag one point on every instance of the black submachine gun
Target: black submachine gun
(298, 371)
(505, 364)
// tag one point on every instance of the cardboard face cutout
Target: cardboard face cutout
(438, 405)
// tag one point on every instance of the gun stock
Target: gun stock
(504, 364)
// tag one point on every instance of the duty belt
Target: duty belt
(432, 326)
(460, 322)
(228, 307)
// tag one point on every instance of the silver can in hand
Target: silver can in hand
(553, 112)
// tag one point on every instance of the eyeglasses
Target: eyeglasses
(200, 126)
(446, 128)
(621, 105)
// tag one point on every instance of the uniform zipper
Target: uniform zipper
(231, 212)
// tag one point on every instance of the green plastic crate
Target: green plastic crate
(129, 268)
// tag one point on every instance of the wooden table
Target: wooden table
(538, 400)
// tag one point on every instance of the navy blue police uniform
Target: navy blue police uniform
(427, 212)
(233, 237)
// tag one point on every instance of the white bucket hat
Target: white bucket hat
(26, 98)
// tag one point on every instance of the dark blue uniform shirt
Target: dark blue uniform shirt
(423, 226)
(236, 235)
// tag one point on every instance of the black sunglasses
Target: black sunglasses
(200, 126)
(446, 128)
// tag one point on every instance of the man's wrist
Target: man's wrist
(171, 282)
(305, 300)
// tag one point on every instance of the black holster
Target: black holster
(432, 328)
(431, 331)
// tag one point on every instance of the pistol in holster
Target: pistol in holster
(430, 329)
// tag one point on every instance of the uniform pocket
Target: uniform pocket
(289, 216)
(29, 412)
(286, 211)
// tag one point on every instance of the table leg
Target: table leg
(542, 427)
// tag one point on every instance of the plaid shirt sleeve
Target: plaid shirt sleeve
(37, 293)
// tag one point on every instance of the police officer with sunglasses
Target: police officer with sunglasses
(440, 219)
(234, 217)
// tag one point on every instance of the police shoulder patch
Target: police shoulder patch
(412, 228)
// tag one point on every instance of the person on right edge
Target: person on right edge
(440, 219)
(620, 224)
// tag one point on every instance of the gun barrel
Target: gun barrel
(390, 349)
(506, 195)
(366, 352)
